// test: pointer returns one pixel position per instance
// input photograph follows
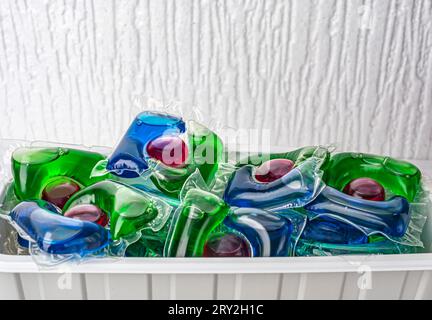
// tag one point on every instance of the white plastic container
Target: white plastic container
(338, 277)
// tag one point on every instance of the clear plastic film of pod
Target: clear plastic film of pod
(63, 214)
(296, 188)
(130, 211)
(159, 151)
(52, 238)
(200, 213)
(269, 234)
(355, 229)
(44, 171)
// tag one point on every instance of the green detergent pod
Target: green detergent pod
(129, 209)
(205, 153)
(200, 213)
(399, 177)
(52, 172)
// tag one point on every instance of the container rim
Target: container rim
(346, 263)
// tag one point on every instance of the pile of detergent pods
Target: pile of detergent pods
(169, 189)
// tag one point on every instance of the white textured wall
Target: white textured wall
(354, 72)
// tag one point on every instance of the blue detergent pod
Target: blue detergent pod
(56, 234)
(295, 189)
(329, 230)
(23, 243)
(268, 233)
(389, 217)
(129, 159)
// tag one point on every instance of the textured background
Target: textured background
(358, 73)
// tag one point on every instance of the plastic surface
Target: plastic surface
(88, 212)
(295, 189)
(165, 149)
(263, 270)
(34, 168)
(362, 276)
(129, 159)
(205, 153)
(328, 230)
(313, 248)
(401, 178)
(365, 188)
(227, 244)
(273, 170)
(42, 223)
(129, 209)
(389, 217)
(376, 197)
(268, 234)
(271, 189)
(200, 213)
(171, 151)
(295, 155)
